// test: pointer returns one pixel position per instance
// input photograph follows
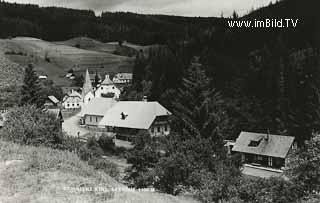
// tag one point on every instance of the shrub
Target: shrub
(106, 166)
(106, 143)
(31, 126)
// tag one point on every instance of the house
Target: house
(92, 113)
(123, 78)
(51, 102)
(87, 89)
(108, 89)
(128, 118)
(72, 100)
(68, 75)
(43, 77)
(2, 117)
(263, 155)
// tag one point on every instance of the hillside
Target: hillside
(95, 45)
(31, 174)
(55, 60)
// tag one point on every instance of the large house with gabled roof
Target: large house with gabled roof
(92, 113)
(263, 155)
(128, 118)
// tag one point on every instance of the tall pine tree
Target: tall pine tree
(30, 92)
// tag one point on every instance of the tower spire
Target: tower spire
(87, 86)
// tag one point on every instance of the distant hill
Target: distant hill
(60, 24)
(95, 45)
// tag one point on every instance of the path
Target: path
(71, 126)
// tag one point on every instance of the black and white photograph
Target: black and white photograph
(159, 101)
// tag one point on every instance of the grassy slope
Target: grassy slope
(43, 173)
(70, 57)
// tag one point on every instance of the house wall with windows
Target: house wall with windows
(106, 89)
(160, 127)
(72, 103)
(92, 120)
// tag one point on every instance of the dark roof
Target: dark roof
(274, 146)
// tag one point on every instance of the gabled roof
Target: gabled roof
(74, 94)
(97, 107)
(53, 99)
(124, 76)
(267, 145)
(107, 81)
(138, 114)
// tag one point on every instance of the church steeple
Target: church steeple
(87, 86)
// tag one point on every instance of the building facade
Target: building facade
(263, 155)
(72, 100)
(129, 118)
(108, 89)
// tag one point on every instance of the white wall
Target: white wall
(72, 103)
(105, 89)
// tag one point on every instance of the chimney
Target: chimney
(123, 116)
(107, 76)
(267, 137)
(145, 99)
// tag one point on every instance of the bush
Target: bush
(106, 166)
(31, 126)
(90, 150)
(106, 143)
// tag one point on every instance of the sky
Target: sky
(202, 8)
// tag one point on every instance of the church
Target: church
(107, 89)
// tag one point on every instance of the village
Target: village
(96, 111)
(159, 102)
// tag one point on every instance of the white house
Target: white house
(92, 113)
(128, 118)
(123, 78)
(108, 89)
(72, 100)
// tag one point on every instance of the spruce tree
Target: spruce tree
(30, 92)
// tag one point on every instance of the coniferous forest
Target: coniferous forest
(217, 81)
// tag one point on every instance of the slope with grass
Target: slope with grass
(94, 45)
(68, 57)
(38, 174)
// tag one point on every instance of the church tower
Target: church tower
(87, 89)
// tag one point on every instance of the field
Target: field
(55, 60)
(32, 174)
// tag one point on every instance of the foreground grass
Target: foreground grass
(39, 174)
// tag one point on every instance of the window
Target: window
(68, 105)
(165, 128)
(90, 118)
(159, 130)
(270, 161)
(96, 119)
(254, 143)
(259, 158)
(152, 130)
(78, 104)
(102, 88)
(72, 104)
